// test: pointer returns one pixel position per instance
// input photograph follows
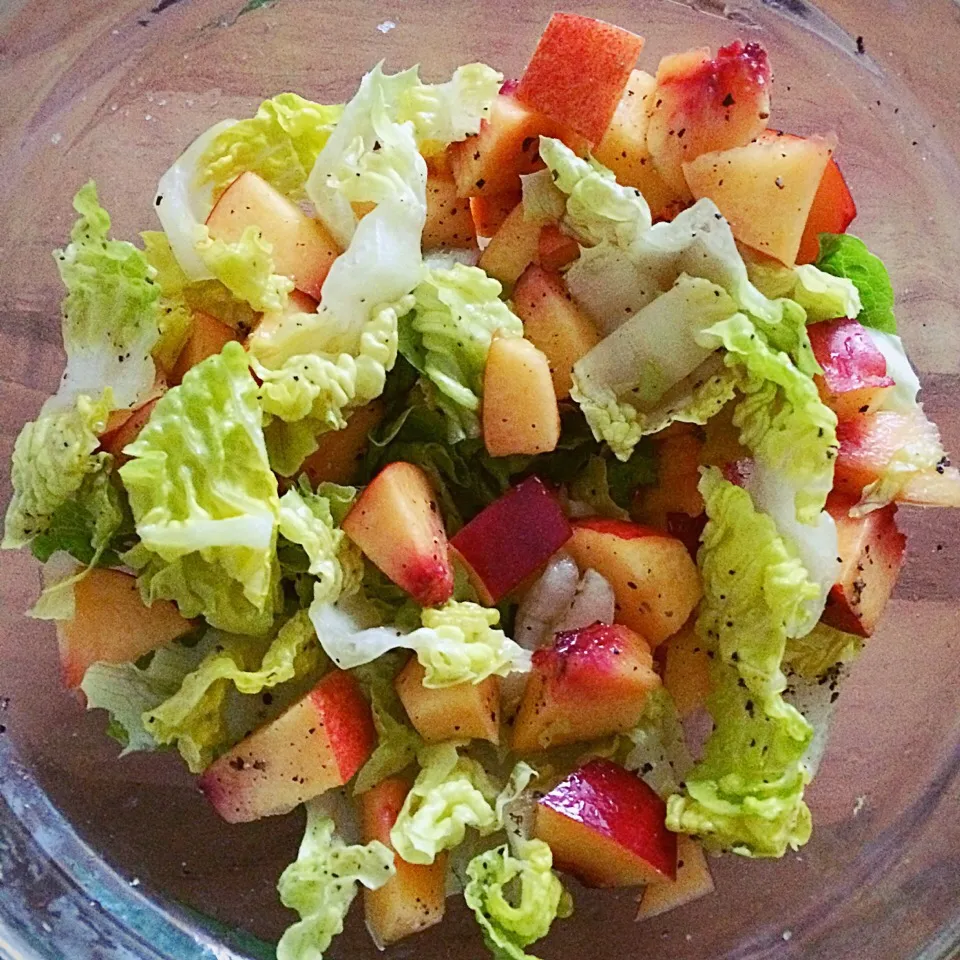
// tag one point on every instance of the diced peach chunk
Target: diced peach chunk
(208, 336)
(339, 452)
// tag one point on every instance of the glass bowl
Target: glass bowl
(101, 860)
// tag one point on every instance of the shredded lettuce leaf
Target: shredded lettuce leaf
(511, 921)
(843, 255)
(746, 793)
(822, 295)
(195, 716)
(815, 654)
(129, 692)
(451, 792)
(280, 143)
(110, 314)
(432, 115)
(781, 417)
(658, 749)
(457, 643)
(55, 461)
(205, 500)
(322, 882)
(447, 335)
(629, 372)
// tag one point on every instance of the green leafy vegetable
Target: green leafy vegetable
(110, 314)
(458, 642)
(447, 335)
(658, 750)
(280, 143)
(194, 717)
(322, 882)
(781, 417)
(844, 255)
(451, 792)
(822, 295)
(128, 691)
(746, 793)
(55, 461)
(627, 375)
(512, 921)
(205, 500)
(814, 655)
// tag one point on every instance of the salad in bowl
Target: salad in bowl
(505, 470)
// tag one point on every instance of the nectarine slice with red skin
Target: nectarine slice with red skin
(589, 683)
(302, 249)
(869, 442)
(396, 522)
(208, 336)
(654, 579)
(492, 161)
(318, 743)
(871, 549)
(765, 189)
(554, 323)
(623, 149)
(114, 441)
(489, 211)
(464, 711)
(414, 898)
(111, 624)
(854, 379)
(512, 538)
(556, 250)
(833, 211)
(701, 105)
(606, 827)
(578, 72)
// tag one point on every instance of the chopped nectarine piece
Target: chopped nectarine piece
(623, 148)
(111, 624)
(415, 896)
(578, 72)
(854, 379)
(317, 743)
(693, 881)
(339, 452)
(513, 247)
(871, 550)
(833, 210)
(449, 223)
(686, 674)
(764, 189)
(301, 248)
(869, 442)
(508, 145)
(556, 250)
(678, 477)
(464, 711)
(701, 105)
(606, 826)
(590, 683)
(512, 538)
(396, 522)
(520, 414)
(208, 336)
(655, 581)
(489, 212)
(114, 441)
(554, 324)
